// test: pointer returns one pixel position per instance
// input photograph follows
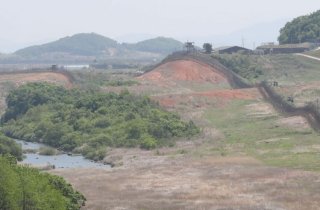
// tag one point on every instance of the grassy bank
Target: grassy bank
(265, 137)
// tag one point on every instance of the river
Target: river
(59, 161)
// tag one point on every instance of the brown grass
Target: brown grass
(207, 183)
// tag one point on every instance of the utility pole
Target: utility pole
(242, 39)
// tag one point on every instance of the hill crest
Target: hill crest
(92, 44)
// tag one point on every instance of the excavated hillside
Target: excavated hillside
(184, 70)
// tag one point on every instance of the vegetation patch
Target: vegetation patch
(27, 188)
(117, 83)
(10, 147)
(89, 121)
(49, 151)
(262, 138)
(241, 64)
(287, 69)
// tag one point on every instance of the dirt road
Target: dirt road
(309, 56)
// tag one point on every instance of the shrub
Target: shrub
(148, 142)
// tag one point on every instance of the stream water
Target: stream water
(59, 161)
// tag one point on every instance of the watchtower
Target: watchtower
(189, 47)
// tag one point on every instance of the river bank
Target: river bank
(33, 158)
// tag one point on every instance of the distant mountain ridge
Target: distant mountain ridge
(80, 44)
(91, 44)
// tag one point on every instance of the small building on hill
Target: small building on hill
(232, 49)
(285, 48)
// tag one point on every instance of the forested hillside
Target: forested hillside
(88, 122)
(91, 44)
(301, 29)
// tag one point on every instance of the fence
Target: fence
(310, 112)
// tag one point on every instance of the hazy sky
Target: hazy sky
(26, 22)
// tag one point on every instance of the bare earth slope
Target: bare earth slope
(184, 70)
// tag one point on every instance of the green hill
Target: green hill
(91, 44)
(157, 45)
(301, 29)
(79, 44)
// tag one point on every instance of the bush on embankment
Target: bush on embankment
(311, 111)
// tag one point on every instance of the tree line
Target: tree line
(301, 29)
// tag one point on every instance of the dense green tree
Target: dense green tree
(207, 48)
(241, 64)
(301, 29)
(29, 189)
(9, 186)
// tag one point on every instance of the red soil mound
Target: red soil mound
(184, 70)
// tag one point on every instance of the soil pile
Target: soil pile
(184, 70)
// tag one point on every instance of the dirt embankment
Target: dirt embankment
(183, 70)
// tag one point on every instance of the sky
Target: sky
(31, 22)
